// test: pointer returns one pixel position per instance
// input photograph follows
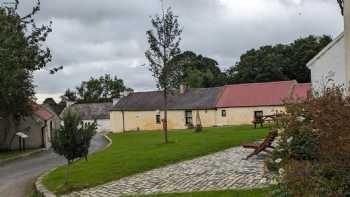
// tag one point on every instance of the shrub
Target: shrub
(313, 153)
(72, 139)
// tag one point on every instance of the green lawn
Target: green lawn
(264, 192)
(137, 152)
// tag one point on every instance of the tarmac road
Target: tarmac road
(17, 177)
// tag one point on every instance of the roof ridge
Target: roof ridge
(91, 103)
(325, 50)
(258, 83)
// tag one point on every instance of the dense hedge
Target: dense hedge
(313, 153)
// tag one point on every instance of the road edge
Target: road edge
(5, 161)
(39, 187)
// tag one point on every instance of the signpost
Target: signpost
(22, 140)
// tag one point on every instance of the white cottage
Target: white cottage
(333, 62)
(329, 64)
(93, 111)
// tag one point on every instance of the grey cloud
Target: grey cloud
(91, 38)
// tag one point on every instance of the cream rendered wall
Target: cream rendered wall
(116, 121)
(207, 117)
(243, 115)
(146, 120)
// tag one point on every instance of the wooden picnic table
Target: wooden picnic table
(266, 118)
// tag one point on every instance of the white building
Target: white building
(334, 60)
(329, 64)
(93, 111)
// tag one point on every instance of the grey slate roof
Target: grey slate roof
(196, 98)
(92, 111)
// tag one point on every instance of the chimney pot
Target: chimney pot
(183, 88)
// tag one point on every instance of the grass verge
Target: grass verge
(16, 153)
(133, 153)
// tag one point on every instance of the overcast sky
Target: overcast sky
(94, 37)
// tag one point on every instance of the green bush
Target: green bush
(312, 157)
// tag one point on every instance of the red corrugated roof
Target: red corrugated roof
(256, 94)
(301, 90)
(41, 112)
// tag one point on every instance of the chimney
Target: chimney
(69, 103)
(183, 88)
(125, 93)
(115, 101)
(347, 40)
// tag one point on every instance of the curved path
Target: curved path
(219, 171)
(17, 177)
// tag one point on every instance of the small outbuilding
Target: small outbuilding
(90, 112)
(37, 129)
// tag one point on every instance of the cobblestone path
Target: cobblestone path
(219, 171)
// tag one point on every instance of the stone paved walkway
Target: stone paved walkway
(219, 171)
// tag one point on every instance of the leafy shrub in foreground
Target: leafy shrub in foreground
(313, 153)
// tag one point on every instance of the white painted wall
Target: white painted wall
(329, 63)
(347, 40)
(103, 125)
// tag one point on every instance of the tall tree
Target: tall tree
(22, 52)
(51, 103)
(198, 71)
(102, 89)
(70, 95)
(279, 62)
(164, 40)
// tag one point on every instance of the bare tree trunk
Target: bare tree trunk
(12, 131)
(9, 132)
(341, 5)
(67, 173)
(5, 133)
(165, 122)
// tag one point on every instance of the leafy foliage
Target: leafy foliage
(102, 89)
(22, 52)
(314, 150)
(164, 41)
(198, 71)
(56, 107)
(72, 139)
(279, 62)
(70, 95)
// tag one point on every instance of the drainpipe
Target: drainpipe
(123, 122)
(43, 134)
(347, 41)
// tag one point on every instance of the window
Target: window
(223, 113)
(158, 119)
(188, 117)
(258, 115)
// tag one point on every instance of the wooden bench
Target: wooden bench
(267, 143)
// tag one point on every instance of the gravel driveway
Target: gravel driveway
(17, 177)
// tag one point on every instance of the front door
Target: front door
(188, 118)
